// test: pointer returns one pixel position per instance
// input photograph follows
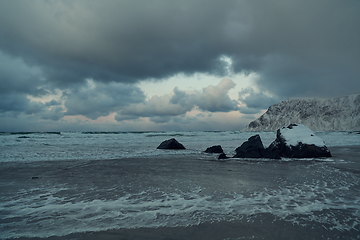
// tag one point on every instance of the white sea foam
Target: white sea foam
(46, 210)
(54, 215)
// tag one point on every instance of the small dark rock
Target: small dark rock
(171, 144)
(223, 156)
(214, 149)
(252, 148)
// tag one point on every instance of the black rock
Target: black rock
(223, 156)
(271, 154)
(252, 148)
(215, 149)
(171, 144)
(306, 144)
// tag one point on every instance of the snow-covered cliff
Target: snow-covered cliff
(333, 114)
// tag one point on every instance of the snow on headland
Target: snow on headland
(332, 114)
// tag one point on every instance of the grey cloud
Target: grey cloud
(297, 47)
(182, 98)
(304, 48)
(52, 103)
(113, 40)
(216, 98)
(186, 120)
(98, 99)
(17, 81)
(160, 119)
(255, 100)
(125, 117)
(249, 110)
(17, 77)
(34, 107)
(54, 113)
(17, 104)
(211, 98)
(156, 106)
(249, 117)
(160, 108)
(13, 102)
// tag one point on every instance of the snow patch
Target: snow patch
(298, 133)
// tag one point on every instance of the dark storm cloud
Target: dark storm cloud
(53, 103)
(98, 99)
(297, 47)
(255, 101)
(13, 103)
(17, 77)
(303, 48)
(113, 40)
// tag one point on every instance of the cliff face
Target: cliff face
(334, 114)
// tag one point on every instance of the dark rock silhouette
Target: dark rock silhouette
(171, 144)
(293, 141)
(298, 141)
(214, 149)
(254, 148)
(223, 156)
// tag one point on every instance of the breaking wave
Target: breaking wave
(154, 208)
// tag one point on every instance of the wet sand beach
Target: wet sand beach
(177, 197)
(262, 226)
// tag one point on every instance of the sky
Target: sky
(158, 65)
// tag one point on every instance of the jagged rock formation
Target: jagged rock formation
(254, 148)
(334, 114)
(293, 141)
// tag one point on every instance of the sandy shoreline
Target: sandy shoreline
(261, 226)
(176, 171)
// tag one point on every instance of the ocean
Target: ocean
(117, 185)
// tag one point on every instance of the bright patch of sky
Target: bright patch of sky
(199, 81)
(194, 82)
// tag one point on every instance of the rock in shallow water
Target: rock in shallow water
(171, 144)
(214, 149)
(223, 156)
(252, 148)
(298, 141)
(294, 141)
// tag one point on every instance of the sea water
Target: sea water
(66, 183)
